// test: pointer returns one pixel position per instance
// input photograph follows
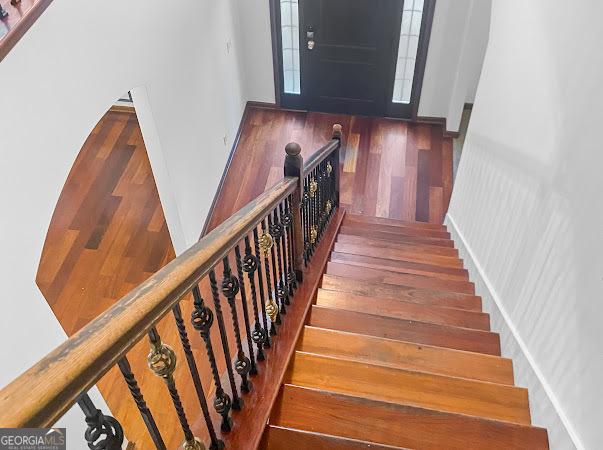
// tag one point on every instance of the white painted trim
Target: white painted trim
(516, 336)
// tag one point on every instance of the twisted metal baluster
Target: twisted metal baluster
(288, 222)
(237, 402)
(103, 432)
(162, 361)
(256, 247)
(272, 309)
(306, 220)
(280, 215)
(202, 318)
(286, 239)
(253, 369)
(277, 231)
(141, 404)
(250, 266)
(192, 366)
(230, 288)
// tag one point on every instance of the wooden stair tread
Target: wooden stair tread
(394, 222)
(403, 310)
(403, 279)
(406, 230)
(403, 293)
(395, 237)
(398, 266)
(401, 386)
(391, 424)
(405, 330)
(400, 354)
(283, 438)
(403, 246)
(410, 254)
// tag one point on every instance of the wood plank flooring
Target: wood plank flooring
(390, 168)
(108, 232)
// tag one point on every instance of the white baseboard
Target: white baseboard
(545, 408)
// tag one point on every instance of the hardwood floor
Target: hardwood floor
(391, 168)
(108, 232)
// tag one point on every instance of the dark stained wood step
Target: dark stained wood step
(282, 438)
(402, 246)
(393, 222)
(405, 387)
(406, 355)
(405, 330)
(393, 265)
(403, 310)
(404, 293)
(402, 279)
(395, 237)
(391, 424)
(398, 254)
(401, 230)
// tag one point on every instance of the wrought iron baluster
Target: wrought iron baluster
(279, 216)
(230, 288)
(276, 262)
(141, 404)
(103, 432)
(192, 366)
(251, 264)
(237, 402)
(306, 219)
(256, 248)
(202, 318)
(272, 308)
(162, 361)
(288, 224)
(253, 369)
(281, 287)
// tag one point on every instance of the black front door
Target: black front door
(342, 55)
(347, 54)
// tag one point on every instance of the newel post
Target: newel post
(337, 134)
(294, 167)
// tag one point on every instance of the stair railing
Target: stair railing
(271, 240)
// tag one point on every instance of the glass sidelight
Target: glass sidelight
(290, 47)
(412, 16)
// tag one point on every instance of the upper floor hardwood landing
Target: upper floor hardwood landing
(392, 169)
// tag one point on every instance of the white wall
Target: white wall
(454, 60)
(189, 93)
(527, 203)
(256, 49)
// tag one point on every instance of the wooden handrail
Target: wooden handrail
(41, 395)
(16, 33)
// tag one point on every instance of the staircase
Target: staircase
(397, 353)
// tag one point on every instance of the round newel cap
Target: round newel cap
(293, 149)
(337, 131)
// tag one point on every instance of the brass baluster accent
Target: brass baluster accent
(272, 310)
(202, 318)
(162, 362)
(256, 248)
